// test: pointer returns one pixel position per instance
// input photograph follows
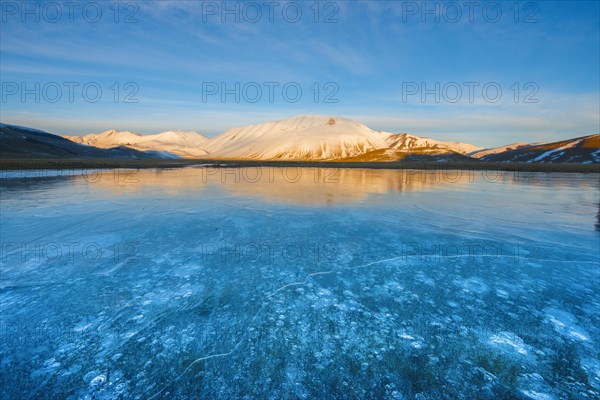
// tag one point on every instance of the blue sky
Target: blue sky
(373, 57)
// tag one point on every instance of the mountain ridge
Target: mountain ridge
(186, 144)
(304, 137)
(583, 149)
(19, 141)
(327, 138)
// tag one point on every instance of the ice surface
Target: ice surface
(192, 283)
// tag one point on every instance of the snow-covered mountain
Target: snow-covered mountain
(404, 141)
(306, 137)
(181, 143)
(318, 137)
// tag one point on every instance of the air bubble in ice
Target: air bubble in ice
(98, 381)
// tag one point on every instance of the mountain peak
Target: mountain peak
(302, 137)
(330, 137)
(308, 120)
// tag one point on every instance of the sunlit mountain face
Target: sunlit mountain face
(304, 138)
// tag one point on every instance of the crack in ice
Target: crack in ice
(204, 358)
(219, 355)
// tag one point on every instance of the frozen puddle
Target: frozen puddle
(373, 286)
(508, 341)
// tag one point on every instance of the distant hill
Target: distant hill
(584, 150)
(22, 142)
(496, 150)
(181, 143)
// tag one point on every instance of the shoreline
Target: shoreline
(47, 163)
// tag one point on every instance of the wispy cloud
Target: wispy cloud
(368, 52)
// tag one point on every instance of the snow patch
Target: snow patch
(565, 324)
(508, 340)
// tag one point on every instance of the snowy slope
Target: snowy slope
(407, 142)
(496, 150)
(181, 143)
(561, 149)
(107, 139)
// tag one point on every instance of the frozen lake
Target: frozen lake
(299, 283)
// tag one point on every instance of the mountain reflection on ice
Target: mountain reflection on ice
(299, 283)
